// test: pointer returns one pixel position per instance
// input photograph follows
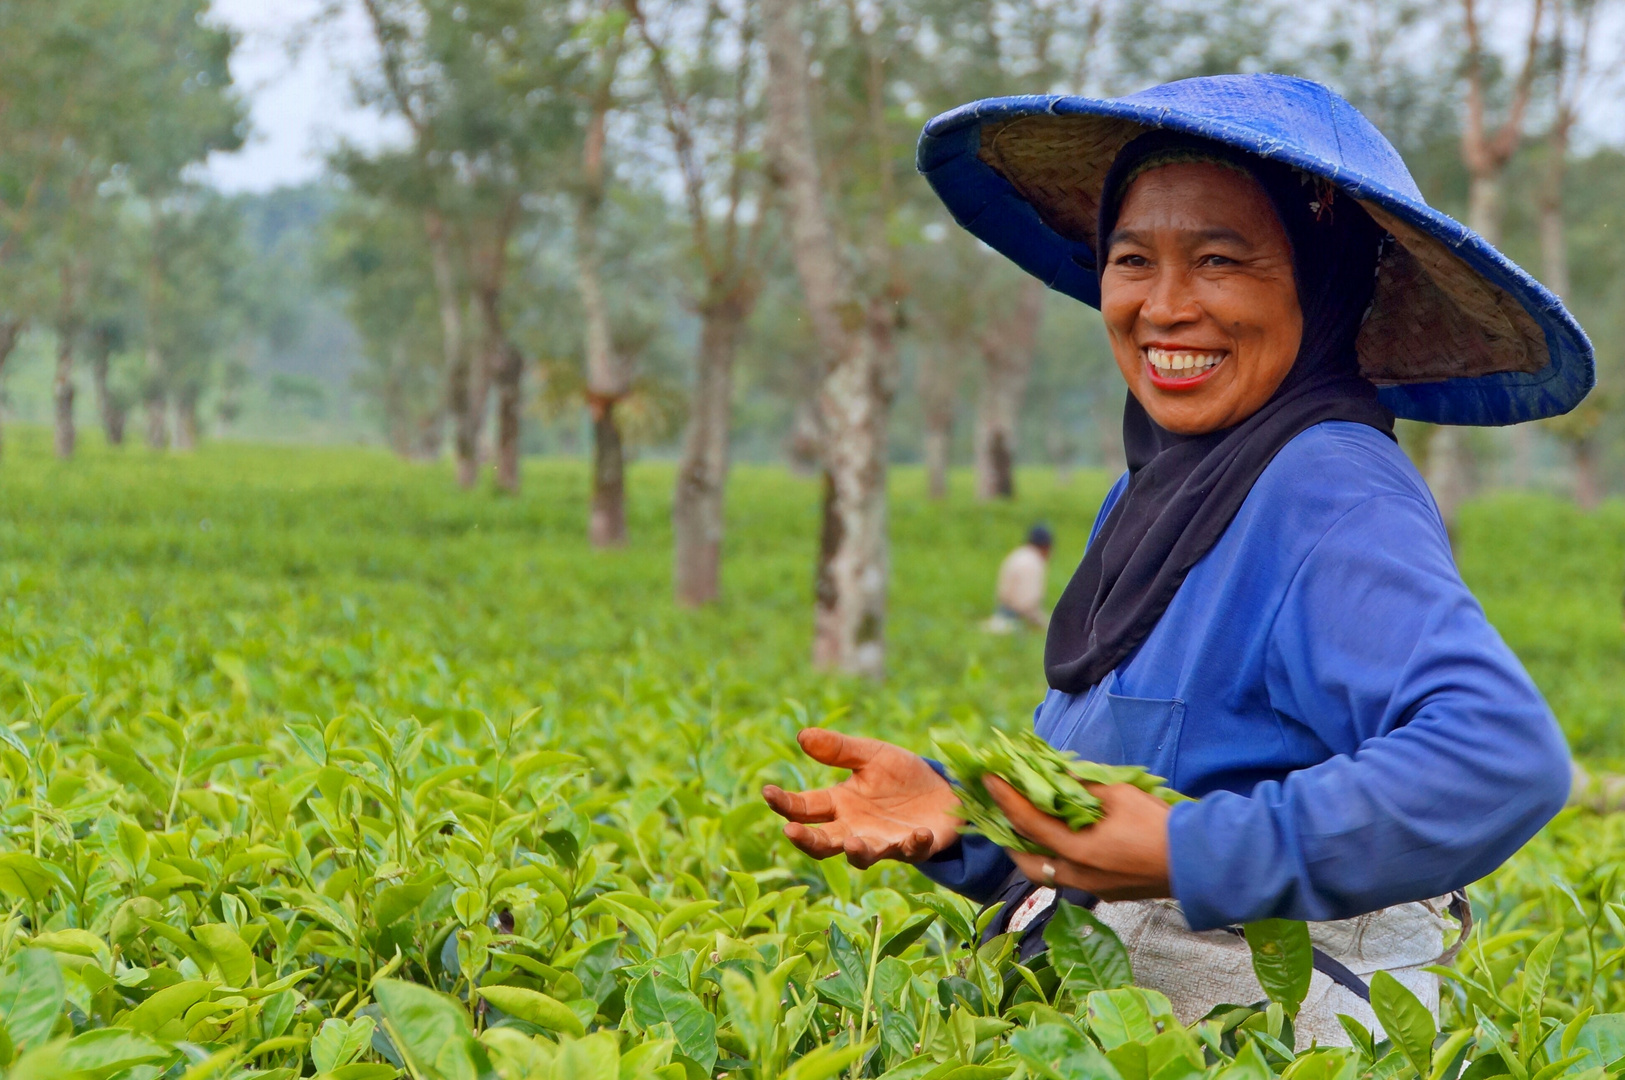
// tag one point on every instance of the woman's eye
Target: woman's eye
(1131, 260)
(1217, 260)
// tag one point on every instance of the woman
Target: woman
(1268, 613)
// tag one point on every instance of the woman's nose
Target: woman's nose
(1170, 301)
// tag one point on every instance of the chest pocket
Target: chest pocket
(1115, 729)
(1149, 729)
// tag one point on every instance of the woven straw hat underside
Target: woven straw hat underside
(1433, 317)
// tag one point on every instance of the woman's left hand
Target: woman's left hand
(1123, 856)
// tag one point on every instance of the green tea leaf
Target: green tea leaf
(31, 997)
(534, 1007)
(1283, 960)
(165, 1005)
(1405, 1020)
(1086, 952)
(1061, 1052)
(110, 1050)
(24, 877)
(338, 1043)
(657, 998)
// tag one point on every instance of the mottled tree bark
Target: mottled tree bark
(702, 474)
(62, 391)
(1486, 154)
(186, 421)
(854, 397)
(503, 367)
(606, 526)
(155, 399)
(453, 348)
(10, 331)
(1007, 358)
(937, 386)
(111, 409)
(607, 378)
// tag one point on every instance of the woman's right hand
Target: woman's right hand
(893, 806)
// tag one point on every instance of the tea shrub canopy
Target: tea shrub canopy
(313, 766)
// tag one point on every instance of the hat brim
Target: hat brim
(1457, 333)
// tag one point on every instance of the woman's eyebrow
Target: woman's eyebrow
(1210, 234)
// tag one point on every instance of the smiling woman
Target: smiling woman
(1198, 296)
(1268, 613)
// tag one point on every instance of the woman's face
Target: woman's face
(1198, 296)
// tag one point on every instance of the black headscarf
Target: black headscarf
(1183, 491)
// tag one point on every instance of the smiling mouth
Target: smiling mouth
(1179, 369)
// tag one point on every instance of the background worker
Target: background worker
(1023, 577)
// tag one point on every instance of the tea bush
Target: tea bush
(314, 766)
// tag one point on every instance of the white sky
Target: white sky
(299, 97)
(300, 100)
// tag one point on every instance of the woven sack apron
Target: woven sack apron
(1199, 970)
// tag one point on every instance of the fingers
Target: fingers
(917, 845)
(818, 843)
(1102, 883)
(811, 807)
(841, 751)
(1027, 819)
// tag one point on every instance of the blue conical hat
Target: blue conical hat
(1457, 333)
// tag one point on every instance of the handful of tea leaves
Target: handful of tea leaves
(1052, 780)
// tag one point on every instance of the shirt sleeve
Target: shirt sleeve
(1445, 758)
(974, 866)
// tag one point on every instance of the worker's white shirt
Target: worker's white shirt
(1022, 578)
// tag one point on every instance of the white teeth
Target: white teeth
(1181, 364)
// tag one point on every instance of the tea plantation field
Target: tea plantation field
(313, 765)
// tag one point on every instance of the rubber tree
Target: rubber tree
(1580, 62)
(608, 374)
(851, 295)
(480, 89)
(708, 81)
(1007, 345)
(1487, 149)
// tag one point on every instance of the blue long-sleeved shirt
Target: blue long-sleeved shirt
(1357, 733)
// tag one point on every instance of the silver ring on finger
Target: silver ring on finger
(1046, 874)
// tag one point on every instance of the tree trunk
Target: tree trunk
(606, 526)
(1007, 358)
(702, 475)
(938, 442)
(111, 410)
(186, 423)
(453, 349)
(154, 398)
(607, 379)
(10, 331)
(1450, 472)
(1587, 484)
(62, 392)
(938, 376)
(853, 562)
(157, 424)
(506, 370)
(1484, 206)
(855, 395)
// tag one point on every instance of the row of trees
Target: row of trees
(613, 214)
(770, 142)
(104, 105)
